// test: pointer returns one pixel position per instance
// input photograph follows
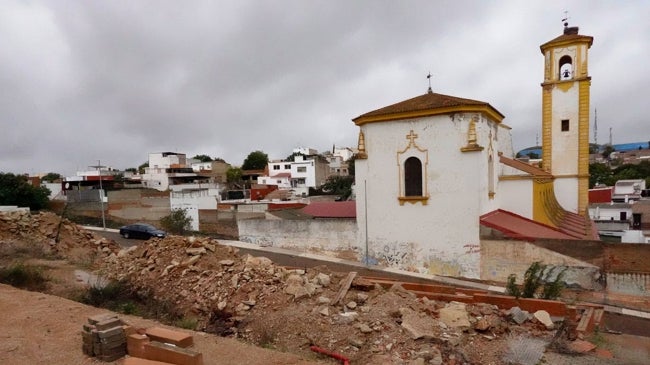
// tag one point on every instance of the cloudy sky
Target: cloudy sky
(82, 81)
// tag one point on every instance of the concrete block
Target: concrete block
(159, 351)
(110, 332)
(165, 335)
(100, 317)
(108, 324)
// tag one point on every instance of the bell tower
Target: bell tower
(565, 117)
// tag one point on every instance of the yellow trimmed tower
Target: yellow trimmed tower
(565, 117)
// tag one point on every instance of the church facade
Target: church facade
(434, 170)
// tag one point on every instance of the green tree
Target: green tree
(338, 185)
(608, 151)
(131, 169)
(351, 167)
(234, 175)
(292, 157)
(142, 167)
(51, 177)
(538, 282)
(16, 190)
(600, 173)
(177, 222)
(256, 160)
(203, 158)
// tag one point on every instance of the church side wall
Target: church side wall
(516, 196)
(440, 237)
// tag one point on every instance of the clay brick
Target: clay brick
(585, 320)
(135, 344)
(164, 335)
(140, 361)
(128, 330)
(501, 301)
(159, 351)
(553, 307)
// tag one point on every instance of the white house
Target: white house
(299, 175)
(165, 169)
(194, 197)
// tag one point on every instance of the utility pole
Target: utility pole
(101, 192)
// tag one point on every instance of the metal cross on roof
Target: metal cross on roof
(429, 78)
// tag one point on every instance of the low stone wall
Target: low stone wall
(500, 258)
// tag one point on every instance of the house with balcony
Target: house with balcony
(166, 169)
(306, 171)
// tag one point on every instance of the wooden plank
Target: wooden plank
(345, 286)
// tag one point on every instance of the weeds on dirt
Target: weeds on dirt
(24, 250)
(524, 351)
(188, 323)
(24, 276)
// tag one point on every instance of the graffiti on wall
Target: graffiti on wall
(260, 241)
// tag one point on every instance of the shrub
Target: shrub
(178, 222)
(537, 277)
(24, 276)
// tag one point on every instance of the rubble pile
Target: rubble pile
(53, 235)
(292, 309)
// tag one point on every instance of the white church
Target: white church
(434, 172)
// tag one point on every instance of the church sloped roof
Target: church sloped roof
(525, 167)
(518, 227)
(427, 104)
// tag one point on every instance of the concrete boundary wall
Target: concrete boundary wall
(324, 235)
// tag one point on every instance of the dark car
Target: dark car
(142, 231)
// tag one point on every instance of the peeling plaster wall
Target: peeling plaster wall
(637, 284)
(500, 258)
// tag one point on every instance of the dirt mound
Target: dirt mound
(47, 234)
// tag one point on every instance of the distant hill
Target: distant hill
(621, 147)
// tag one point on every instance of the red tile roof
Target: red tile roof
(429, 102)
(345, 209)
(516, 226)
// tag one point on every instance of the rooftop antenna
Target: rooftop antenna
(610, 136)
(566, 18)
(536, 139)
(429, 78)
(596, 126)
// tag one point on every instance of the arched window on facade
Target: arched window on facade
(566, 68)
(412, 177)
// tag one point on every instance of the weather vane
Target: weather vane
(566, 18)
(429, 78)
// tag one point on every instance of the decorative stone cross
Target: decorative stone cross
(412, 136)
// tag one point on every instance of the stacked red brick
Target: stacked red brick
(161, 346)
(104, 337)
